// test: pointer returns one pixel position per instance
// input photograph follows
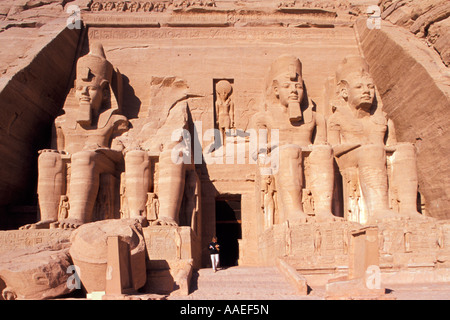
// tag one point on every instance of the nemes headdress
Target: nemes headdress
(284, 64)
(94, 65)
(351, 64)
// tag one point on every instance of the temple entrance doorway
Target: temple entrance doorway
(228, 228)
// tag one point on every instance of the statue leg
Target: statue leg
(84, 183)
(51, 185)
(170, 188)
(322, 181)
(404, 176)
(374, 182)
(289, 181)
(137, 179)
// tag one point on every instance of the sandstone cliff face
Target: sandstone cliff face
(428, 20)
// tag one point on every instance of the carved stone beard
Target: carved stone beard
(364, 106)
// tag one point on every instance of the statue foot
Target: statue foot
(326, 216)
(45, 224)
(414, 215)
(384, 215)
(67, 224)
(298, 217)
(9, 294)
(142, 220)
(164, 221)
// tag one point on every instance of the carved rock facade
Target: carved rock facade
(270, 126)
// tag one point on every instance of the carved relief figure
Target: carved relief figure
(84, 136)
(224, 107)
(317, 241)
(361, 134)
(109, 6)
(289, 111)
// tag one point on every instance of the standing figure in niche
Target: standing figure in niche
(84, 136)
(361, 134)
(224, 108)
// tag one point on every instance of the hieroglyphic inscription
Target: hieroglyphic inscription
(167, 243)
(19, 239)
(199, 33)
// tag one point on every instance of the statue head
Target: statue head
(223, 89)
(92, 85)
(285, 84)
(354, 83)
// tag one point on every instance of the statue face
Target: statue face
(360, 92)
(287, 90)
(223, 95)
(89, 92)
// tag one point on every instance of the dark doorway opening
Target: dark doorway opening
(228, 228)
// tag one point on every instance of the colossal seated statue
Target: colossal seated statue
(162, 142)
(84, 145)
(363, 139)
(291, 114)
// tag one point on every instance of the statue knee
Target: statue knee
(83, 159)
(136, 157)
(291, 152)
(49, 160)
(372, 154)
(404, 151)
(322, 153)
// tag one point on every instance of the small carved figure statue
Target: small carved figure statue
(267, 201)
(152, 206)
(64, 207)
(308, 201)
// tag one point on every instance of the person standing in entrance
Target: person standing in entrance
(214, 249)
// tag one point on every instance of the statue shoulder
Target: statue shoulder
(119, 122)
(380, 118)
(118, 118)
(259, 120)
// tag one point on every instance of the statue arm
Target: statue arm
(232, 113)
(217, 112)
(391, 139)
(321, 130)
(334, 138)
(58, 141)
(120, 126)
